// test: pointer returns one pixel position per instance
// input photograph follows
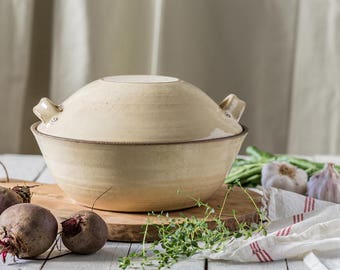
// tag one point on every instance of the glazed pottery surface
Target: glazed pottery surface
(139, 109)
(137, 178)
(139, 143)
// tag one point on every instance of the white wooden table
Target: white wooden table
(33, 168)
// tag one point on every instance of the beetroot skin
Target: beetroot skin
(26, 230)
(15, 195)
(8, 198)
(84, 233)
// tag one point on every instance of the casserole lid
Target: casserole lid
(140, 109)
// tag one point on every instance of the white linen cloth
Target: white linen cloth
(300, 228)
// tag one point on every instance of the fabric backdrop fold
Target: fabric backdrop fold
(282, 57)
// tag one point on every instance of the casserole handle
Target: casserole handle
(233, 107)
(46, 110)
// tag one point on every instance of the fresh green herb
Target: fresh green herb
(191, 235)
(247, 171)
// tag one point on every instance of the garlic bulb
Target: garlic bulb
(284, 176)
(325, 185)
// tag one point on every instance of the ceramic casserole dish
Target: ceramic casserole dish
(139, 143)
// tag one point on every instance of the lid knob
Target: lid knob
(233, 106)
(46, 110)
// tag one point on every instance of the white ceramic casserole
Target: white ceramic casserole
(143, 142)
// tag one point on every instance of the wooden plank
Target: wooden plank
(24, 167)
(225, 265)
(119, 250)
(188, 264)
(106, 259)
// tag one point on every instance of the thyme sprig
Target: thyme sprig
(185, 237)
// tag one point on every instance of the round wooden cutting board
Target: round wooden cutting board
(128, 226)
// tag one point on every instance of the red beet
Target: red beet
(84, 233)
(26, 230)
(15, 195)
(8, 198)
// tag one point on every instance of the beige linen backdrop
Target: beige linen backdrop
(282, 57)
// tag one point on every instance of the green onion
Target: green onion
(247, 171)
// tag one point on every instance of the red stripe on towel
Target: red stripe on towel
(288, 229)
(284, 232)
(264, 254)
(306, 203)
(255, 252)
(297, 218)
(261, 254)
(309, 204)
(279, 232)
(268, 256)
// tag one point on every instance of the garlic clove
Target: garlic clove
(284, 176)
(325, 185)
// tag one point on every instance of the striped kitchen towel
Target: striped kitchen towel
(300, 228)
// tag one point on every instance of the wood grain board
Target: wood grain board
(127, 227)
